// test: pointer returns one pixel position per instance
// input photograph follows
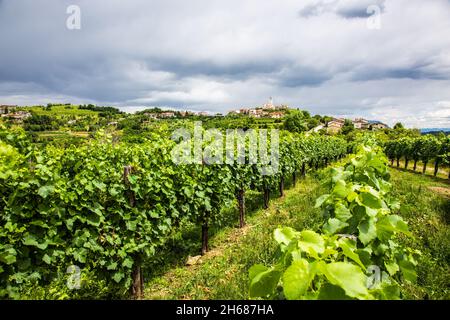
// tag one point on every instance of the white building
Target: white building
(361, 123)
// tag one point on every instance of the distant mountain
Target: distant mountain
(428, 130)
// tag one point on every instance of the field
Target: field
(222, 273)
(61, 111)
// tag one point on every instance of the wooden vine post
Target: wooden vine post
(436, 167)
(266, 197)
(241, 205)
(205, 225)
(282, 186)
(205, 247)
(137, 286)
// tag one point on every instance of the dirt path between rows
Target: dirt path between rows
(443, 191)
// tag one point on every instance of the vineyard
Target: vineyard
(427, 149)
(111, 209)
(224, 159)
(107, 206)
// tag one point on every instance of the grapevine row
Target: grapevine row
(355, 254)
(426, 148)
(107, 206)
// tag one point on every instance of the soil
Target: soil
(441, 190)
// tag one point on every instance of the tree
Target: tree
(312, 123)
(347, 127)
(306, 114)
(398, 126)
(295, 122)
(327, 119)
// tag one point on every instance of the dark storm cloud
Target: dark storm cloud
(419, 71)
(348, 9)
(360, 9)
(234, 71)
(218, 55)
(294, 77)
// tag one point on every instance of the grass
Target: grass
(82, 134)
(426, 206)
(60, 111)
(59, 134)
(223, 272)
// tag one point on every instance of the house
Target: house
(254, 112)
(335, 125)
(361, 123)
(276, 115)
(377, 125)
(269, 105)
(4, 109)
(71, 122)
(185, 113)
(151, 115)
(167, 114)
(240, 111)
(18, 116)
(267, 110)
(257, 113)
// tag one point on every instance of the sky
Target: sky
(386, 60)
